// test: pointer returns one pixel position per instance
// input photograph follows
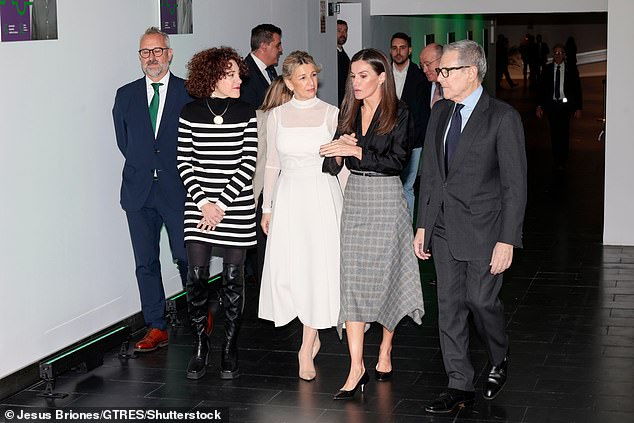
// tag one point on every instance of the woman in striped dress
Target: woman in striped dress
(217, 147)
(379, 273)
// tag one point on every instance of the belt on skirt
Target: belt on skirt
(374, 174)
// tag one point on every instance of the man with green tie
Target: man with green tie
(145, 115)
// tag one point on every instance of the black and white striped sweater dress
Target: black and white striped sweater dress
(216, 164)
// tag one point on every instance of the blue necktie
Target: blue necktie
(453, 136)
(271, 72)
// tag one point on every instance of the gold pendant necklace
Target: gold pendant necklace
(218, 119)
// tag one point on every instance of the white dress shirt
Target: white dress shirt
(399, 78)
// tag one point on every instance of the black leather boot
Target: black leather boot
(233, 302)
(199, 319)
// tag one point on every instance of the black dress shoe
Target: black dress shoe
(496, 379)
(344, 395)
(450, 401)
(382, 376)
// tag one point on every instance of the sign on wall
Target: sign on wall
(176, 16)
(26, 20)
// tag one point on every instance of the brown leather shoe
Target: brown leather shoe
(153, 339)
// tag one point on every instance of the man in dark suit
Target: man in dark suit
(471, 211)
(560, 99)
(343, 61)
(266, 49)
(145, 115)
(414, 89)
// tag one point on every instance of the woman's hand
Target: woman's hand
(212, 215)
(344, 146)
(265, 222)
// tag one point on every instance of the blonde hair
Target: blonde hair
(295, 59)
(276, 95)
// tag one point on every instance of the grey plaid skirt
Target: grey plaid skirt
(380, 280)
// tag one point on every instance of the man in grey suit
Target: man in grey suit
(471, 210)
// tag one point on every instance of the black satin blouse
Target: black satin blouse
(386, 154)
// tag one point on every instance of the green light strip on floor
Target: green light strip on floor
(214, 278)
(85, 345)
(178, 296)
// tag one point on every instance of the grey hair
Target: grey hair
(470, 53)
(155, 31)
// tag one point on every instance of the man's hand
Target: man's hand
(419, 240)
(501, 258)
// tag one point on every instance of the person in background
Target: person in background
(414, 90)
(145, 115)
(266, 49)
(343, 61)
(560, 99)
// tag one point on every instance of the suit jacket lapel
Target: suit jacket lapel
(469, 132)
(168, 108)
(256, 70)
(445, 114)
(142, 104)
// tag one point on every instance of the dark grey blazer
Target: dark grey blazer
(484, 193)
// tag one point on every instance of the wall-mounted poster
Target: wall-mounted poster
(176, 16)
(25, 20)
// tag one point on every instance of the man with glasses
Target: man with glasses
(471, 211)
(145, 115)
(413, 89)
(560, 99)
(429, 58)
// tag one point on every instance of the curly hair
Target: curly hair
(209, 66)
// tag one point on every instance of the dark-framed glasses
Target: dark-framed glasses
(445, 71)
(156, 51)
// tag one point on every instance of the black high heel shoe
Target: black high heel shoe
(344, 395)
(382, 376)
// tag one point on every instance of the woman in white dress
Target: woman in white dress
(301, 212)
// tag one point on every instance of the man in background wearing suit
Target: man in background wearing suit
(429, 58)
(343, 61)
(412, 88)
(471, 211)
(560, 99)
(266, 49)
(145, 115)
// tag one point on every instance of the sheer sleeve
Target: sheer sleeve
(272, 166)
(330, 164)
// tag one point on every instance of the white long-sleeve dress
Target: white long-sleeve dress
(301, 266)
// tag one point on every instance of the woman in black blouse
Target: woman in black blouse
(217, 147)
(379, 273)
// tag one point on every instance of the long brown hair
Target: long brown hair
(388, 105)
(276, 95)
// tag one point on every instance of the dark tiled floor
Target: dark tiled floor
(569, 304)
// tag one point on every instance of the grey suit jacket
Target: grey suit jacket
(484, 193)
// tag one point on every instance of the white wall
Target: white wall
(425, 7)
(66, 265)
(619, 148)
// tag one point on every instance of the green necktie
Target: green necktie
(154, 104)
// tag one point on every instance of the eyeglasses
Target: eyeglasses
(445, 71)
(156, 51)
(428, 64)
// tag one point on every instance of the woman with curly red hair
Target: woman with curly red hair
(217, 147)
